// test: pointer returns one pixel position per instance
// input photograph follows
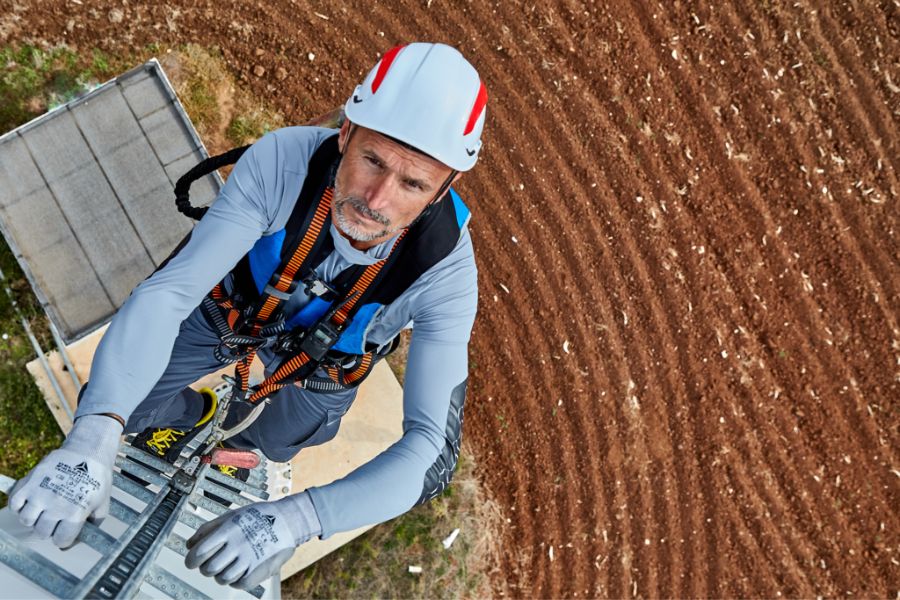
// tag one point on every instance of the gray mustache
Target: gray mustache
(361, 207)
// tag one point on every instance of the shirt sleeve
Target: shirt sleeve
(392, 482)
(135, 350)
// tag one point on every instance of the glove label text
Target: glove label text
(73, 484)
(258, 529)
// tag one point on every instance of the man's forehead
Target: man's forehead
(386, 145)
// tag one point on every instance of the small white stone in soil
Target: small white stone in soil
(448, 541)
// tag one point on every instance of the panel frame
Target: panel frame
(136, 76)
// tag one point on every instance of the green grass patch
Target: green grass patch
(376, 564)
(27, 429)
(198, 76)
(223, 113)
(34, 80)
(252, 125)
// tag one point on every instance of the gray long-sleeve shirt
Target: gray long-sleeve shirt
(257, 200)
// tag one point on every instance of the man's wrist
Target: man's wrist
(116, 417)
(95, 436)
(305, 522)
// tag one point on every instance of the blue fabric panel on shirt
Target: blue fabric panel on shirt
(351, 341)
(265, 256)
(462, 211)
(309, 314)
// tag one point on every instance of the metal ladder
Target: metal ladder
(129, 560)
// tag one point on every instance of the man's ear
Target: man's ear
(342, 136)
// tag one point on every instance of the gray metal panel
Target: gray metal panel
(167, 134)
(161, 226)
(133, 169)
(40, 234)
(71, 286)
(90, 206)
(18, 175)
(144, 93)
(86, 201)
(107, 123)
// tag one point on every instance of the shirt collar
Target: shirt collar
(360, 257)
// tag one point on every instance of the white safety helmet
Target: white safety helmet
(427, 96)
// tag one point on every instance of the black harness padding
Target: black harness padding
(202, 169)
(320, 174)
(427, 241)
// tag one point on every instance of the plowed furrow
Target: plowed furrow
(812, 310)
(826, 297)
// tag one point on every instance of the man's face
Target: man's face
(381, 187)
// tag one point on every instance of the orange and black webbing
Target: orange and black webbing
(270, 303)
(289, 371)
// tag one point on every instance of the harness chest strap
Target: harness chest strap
(273, 298)
(241, 329)
(302, 365)
(244, 329)
(249, 318)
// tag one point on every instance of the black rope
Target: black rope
(183, 186)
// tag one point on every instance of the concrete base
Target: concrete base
(373, 423)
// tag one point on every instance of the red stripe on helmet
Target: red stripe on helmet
(477, 109)
(384, 65)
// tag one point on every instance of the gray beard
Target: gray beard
(349, 228)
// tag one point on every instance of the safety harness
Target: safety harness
(247, 308)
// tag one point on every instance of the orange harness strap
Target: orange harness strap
(247, 329)
(288, 372)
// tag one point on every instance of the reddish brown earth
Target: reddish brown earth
(685, 369)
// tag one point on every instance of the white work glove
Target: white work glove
(244, 547)
(71, 484)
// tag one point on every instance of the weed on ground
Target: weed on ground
(34, 80)
(377, 564)
(27, 429)
(224, 114)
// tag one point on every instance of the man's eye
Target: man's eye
(373, 161)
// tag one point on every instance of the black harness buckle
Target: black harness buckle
(322, 335)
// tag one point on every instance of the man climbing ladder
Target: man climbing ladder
(321, 247)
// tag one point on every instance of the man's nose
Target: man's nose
(380, 193)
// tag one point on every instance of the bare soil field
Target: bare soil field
(686, 366)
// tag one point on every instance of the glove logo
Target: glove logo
(73, 484)
(258, 530)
